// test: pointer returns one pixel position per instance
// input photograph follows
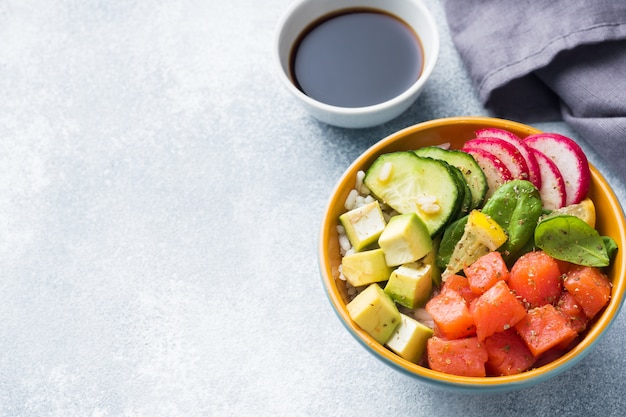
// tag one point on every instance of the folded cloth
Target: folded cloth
(543, 60)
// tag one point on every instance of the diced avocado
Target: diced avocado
(362, 268)
(410, 284)
(375, 313)
(363, 225)
(409, 339)
(405, 239)
(431, 259)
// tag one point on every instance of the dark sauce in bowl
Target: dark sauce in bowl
(356, 58)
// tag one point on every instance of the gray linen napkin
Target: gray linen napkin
(543, 60)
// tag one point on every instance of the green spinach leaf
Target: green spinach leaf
(570, 239)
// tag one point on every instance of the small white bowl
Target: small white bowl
(303, 13)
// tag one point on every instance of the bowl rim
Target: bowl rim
(464, 383)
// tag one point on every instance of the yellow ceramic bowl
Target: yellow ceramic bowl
(457, 130)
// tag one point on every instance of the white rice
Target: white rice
(423, 317)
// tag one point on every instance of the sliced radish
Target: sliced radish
(495, 171)
(569, 158)
(552, 189)
(534, 175)
(503, 150)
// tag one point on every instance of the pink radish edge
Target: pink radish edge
(503, 150)
(534, 174)
(569, 159)
(495, 171)
(552, 191)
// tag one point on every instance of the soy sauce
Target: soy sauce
(356, 57)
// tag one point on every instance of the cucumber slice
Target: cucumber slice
(466, 192)
(412, 184)
(474, 176)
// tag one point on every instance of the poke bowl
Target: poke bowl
(374, 314)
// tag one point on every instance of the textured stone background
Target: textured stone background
(160, 200)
